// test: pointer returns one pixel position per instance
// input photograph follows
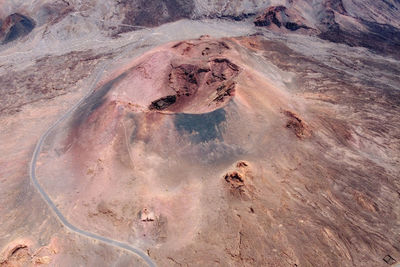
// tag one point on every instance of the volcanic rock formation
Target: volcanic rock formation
(279, 18)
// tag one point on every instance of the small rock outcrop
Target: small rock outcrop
(163, 102)
(297, 125)
(240, 182)
(23, 253)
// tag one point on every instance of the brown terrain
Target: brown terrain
(269, 140)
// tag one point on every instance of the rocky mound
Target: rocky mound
(280, 18)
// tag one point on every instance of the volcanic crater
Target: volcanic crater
(234, 139)
(185, 105)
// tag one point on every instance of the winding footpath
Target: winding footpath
(52, 205)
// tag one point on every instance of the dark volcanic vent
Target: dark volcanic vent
(15, 26)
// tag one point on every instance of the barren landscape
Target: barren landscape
(200, 133)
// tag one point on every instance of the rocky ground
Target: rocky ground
(220, 133)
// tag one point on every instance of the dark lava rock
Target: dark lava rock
(381, 38)
(281, 17)
(270, 16)
(235, 179)
(292, 26)
(237, 17)
(163, 102)
(15, 26)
